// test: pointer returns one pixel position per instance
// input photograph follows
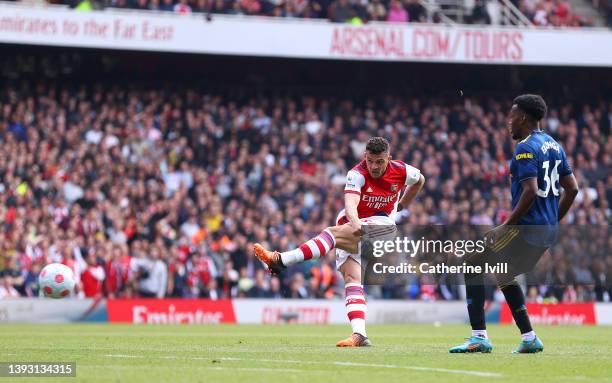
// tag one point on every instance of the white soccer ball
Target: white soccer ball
(56, 281)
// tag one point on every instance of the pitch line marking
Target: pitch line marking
(121, 356)
(262, 369)
(256, 369)
(356, 364)
(416, 368)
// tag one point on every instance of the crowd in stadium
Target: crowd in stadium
(546, 13)
(341, 11)
(154, 193)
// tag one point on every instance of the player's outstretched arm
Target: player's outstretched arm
(570, 190)
(410, 193)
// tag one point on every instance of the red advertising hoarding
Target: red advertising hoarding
(555, 314)
(170, 311)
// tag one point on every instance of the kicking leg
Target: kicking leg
(341, 236)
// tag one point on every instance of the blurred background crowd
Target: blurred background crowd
(160, 191)
(543, 13)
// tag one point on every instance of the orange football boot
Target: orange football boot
(355, 340)
(271, 259)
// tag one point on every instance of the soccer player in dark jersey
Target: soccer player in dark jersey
(538, 170)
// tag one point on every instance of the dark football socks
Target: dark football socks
(475, 292)
(516, 301)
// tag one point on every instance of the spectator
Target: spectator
(92, 277)
(376, 11)
(397, 13)
(12, 278)
(154, 5)
(297, 288)
(236, 8)
(153, 275)
(6, 289)
(119, 4)
(541, 12)
(201, 6)
(182, 7)
(212, 291)
(341, 11)
(167, 5)
(354, 19)
(219, 7)
(416, 11)
(141, 5)
(84, 6)
(259, 289)
(275, 288)
(528, 7)
(479, 15)
(115, 271)
(323, 278)
(251, 7)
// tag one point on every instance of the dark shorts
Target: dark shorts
(513, 250)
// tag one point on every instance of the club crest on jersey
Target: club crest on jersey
(394, 188)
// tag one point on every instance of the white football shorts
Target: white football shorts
(387, 232)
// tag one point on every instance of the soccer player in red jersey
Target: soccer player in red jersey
(371, 197)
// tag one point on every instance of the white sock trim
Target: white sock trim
(358, 326)
(292, 256)
(351, 284)
(480, 334)
(528, 336)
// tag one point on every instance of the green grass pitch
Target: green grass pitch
(402, 353)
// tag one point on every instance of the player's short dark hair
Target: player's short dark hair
(532, 104)
(377, 145)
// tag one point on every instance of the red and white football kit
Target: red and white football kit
(378, 199)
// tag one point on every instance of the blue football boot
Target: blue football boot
(473, 344)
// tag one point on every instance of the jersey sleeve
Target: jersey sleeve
(526, 162)
(412, 175)
(354, 182)
(564, 167)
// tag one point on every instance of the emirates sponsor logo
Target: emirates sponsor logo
(546, 318)
(143, 315)
(377, 198)
(555, 314)
(377, 201)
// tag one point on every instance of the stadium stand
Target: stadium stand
(160, 189)
(543, 13)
